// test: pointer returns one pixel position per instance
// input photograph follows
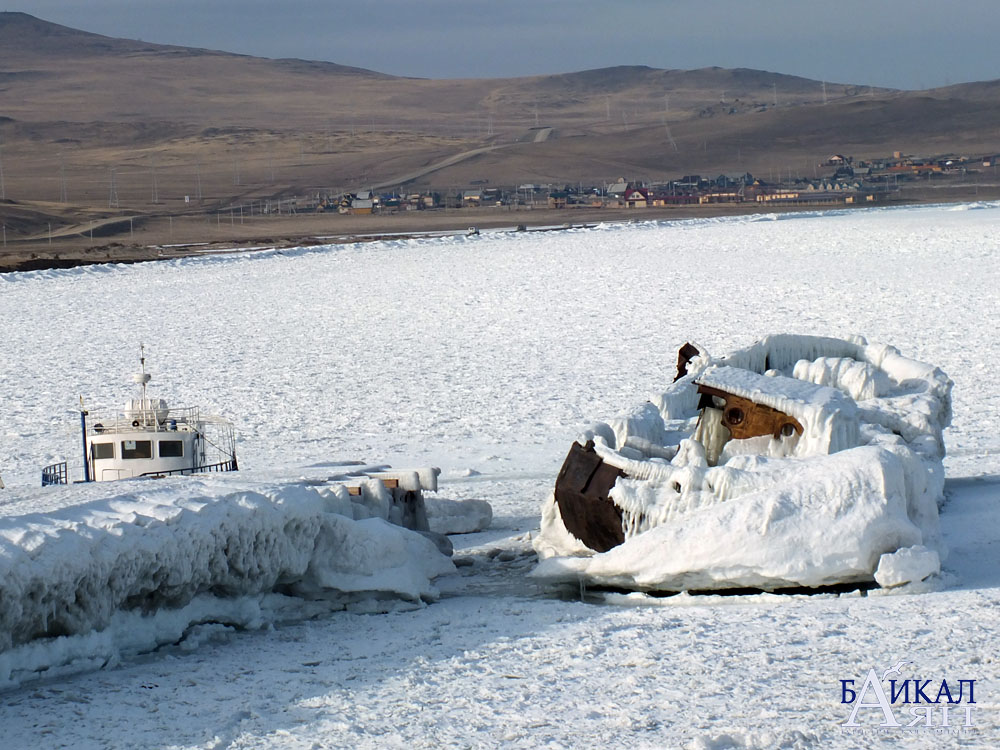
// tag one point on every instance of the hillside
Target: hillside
(93, 123)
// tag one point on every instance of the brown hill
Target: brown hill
(88, 120)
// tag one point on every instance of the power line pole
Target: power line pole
(152, 174)
(62, 179)
(113, 193)
(3, 194)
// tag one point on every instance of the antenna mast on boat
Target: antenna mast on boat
(142, 377)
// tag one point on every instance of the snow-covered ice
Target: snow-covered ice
(457, 516)
(108, 550)
(487, 356)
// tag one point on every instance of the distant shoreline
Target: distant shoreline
(164, 238)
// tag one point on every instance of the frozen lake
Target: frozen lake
(484, 356)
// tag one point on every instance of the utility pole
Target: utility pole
(3, 194)
(152, 174)
(62, 179)
(113, 193)
(775, 87)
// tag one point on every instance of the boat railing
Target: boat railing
(229, 465)
(55, 474)
(152, 420)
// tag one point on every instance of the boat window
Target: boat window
(137, 449)
(171, 448)
(103, 450)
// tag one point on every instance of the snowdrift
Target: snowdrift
(75, 560)
(799, 461)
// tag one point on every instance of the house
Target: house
(636, 198)
(617, 189)
(690, 182)
(361, 206)
(721, 196)
(784, 196)
(733, 180)
(390, 202)
(865, 198)
(472, 198)
(666, 199)
(558, 199)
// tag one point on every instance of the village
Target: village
(839, 180)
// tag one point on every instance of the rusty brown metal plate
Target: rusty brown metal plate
(745, 419)
(581, 492)
(684, 356)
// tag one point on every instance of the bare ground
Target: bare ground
(144, 238)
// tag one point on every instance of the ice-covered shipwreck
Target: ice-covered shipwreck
(800, 461)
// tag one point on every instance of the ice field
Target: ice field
(485, 356)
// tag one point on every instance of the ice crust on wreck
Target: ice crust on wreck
(75, 559)
(864, 479)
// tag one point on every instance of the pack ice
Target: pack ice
(91, 572)
(800, 461)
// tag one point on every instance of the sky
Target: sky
(908, 44)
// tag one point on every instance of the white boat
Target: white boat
(150, 438)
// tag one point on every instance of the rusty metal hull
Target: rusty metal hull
(581, 493)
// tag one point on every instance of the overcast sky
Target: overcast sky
(896, 43)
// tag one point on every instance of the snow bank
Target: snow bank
(74, 558)
(860, 477)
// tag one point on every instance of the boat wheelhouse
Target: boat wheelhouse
(150, 438)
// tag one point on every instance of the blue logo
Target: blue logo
(887, 702)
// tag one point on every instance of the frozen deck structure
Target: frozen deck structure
(149, 438)
(800, 461)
